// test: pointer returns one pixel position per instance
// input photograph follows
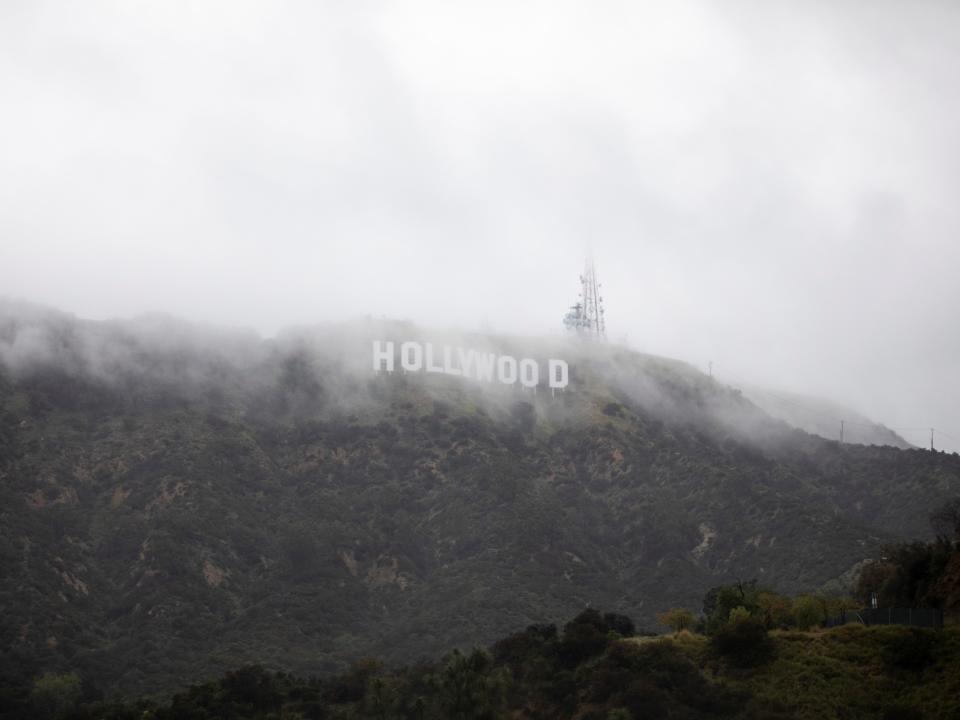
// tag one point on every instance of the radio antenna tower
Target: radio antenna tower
(586, 316)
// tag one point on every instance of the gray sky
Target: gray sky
(769, 185)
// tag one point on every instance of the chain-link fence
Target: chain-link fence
(917, 617)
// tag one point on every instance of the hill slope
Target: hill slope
(586, 671)
(822, 417)
(176, 501)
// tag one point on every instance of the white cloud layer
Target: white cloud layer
(768, 185)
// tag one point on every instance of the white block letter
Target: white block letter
(559, 373)
(382, 351)
(411, 356)
(466, 360)
(448, 367)
(529, 373)
(507, 369)
(485, 363)
(429, 366)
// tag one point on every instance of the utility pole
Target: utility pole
(841, 432)
(710, 366)
(931, 439)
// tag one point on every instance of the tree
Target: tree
(469, 687)
(54, 695)
(253, 685)
(619, 624)
(379, 697)
(907, 576)
(583, 637)
(774, 610)
(838, 605)
(351, 686)
(719, 601)
(808, 611)
(677, 619)
(873, 578)
(743, 642)
(945, 521)
(418, 707)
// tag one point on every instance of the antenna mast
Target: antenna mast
(586, 317)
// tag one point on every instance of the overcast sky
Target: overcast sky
(772, 186)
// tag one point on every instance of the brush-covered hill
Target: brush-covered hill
(823, 417)
(585, 670)
(176, 501)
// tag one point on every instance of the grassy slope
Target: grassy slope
(839, 674)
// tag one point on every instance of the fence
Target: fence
(917, 617)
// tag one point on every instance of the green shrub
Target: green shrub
(775, 610)
(719, 601)
(619, 624)
(743, 643)
(910, 650)
(808, 612)
(902, 712)
(580, 642)
(677, 619)
(55, 695)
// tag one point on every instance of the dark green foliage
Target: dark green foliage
(525, 415)
(516, 649)
(619, 624)
(254, 687)
(812, 677)
(907, 575)
(911, 574)
(912, 650)
(54, 696)
(352, 685)
(743, 643)
(613, 409)
(650, 677)
(721, 600)
(902, 712)
(945, 521)
(525, 670)
(469, 689)
(584, 637)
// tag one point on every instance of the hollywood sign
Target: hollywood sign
(461, 362)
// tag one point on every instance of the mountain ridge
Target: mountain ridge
(178, 502)
(822, 417)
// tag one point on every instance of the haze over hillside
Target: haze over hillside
(245, 212)
(177, 499)
(823, 417)
(769, 187)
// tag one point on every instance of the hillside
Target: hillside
(822, 417)
(584, 670)
(176, 501)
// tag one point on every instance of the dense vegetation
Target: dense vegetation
(177, 502)
(918, 574)
(753, 654)
(594, 668)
